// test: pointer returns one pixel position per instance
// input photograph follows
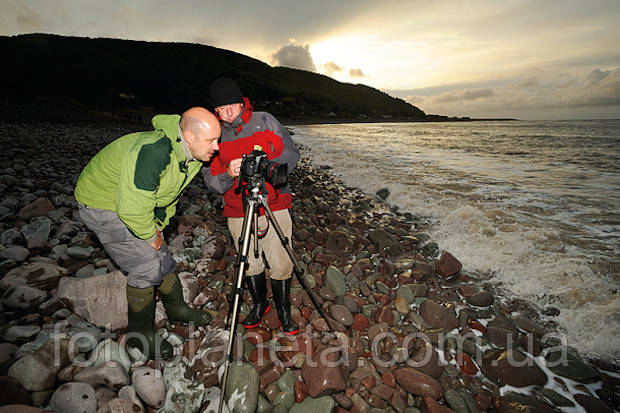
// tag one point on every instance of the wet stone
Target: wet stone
(74, 397)
(592, 404)
(39, 228)
(513, 368)
(38, 208)
(418, 383)
(438, 316)
(17, 254)
(382, 288)
(86, 271)
(149, 384)
(327, 294)
(341, 314)
(17, 334)
(402, 305)
(406, 293)
(573, 368)
(242, 388)
(456, 401)
(481, 299)
(334, 280)
(554, 398)
(86, 336)
(110, 374)
(12, 237)
(79, 252)
(23, 297)
(348, 302)
(324, 404)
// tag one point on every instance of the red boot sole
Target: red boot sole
(261, 317)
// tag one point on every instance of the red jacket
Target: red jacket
(239, 137)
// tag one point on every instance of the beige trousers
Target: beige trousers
(280, 265)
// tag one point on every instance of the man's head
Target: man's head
(201, 130)
(227, 98)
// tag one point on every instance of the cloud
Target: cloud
(556, 95)
(295, 56)
(531, 82)
(356, 73)
(29, 20)
(330, 68)
(601, 88)
(596, 76)
(465, 95)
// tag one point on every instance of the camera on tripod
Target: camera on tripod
(256, 166)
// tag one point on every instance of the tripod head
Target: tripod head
(256, 169)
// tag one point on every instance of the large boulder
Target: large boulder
(74, 397)
(22, 297)
(385, 241)
(100, 299)
(335, 281)
(438, 316)
(326, 373)
(39, 207)
(149, 384)
(448, 265)
(418, 383)
(37, 371)
(110, 374)
(42, 275)
(513, 368)
(242, 387)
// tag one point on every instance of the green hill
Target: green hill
(135, 78)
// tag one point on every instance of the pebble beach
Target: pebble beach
(414, 331)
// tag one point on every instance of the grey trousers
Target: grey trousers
(144, 266)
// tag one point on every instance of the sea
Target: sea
(532, 205)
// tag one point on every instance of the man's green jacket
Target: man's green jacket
(140, 177)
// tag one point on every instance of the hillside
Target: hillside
(134, 79)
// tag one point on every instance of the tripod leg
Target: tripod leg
(256, 233)
(244, 248)
(296, 266)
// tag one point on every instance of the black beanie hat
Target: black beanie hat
(225, 91)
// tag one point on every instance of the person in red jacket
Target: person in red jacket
(243, 130)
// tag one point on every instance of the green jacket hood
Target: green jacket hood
(169, 124)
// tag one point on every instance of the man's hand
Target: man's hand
(233, 167)
(159, 241)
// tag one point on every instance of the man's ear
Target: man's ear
(188, 136)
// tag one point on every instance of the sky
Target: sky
(480, 58)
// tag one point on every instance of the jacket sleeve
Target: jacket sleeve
(290, 152)
(216, 178)
(136, 195)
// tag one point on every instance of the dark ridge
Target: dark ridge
(50, 77)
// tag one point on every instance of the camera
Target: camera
(256, 166)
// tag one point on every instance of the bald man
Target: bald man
(127, 194)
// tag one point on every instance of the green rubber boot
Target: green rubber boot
(178, 311)
(140, 318)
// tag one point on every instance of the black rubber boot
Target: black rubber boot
(282, 299)
(257, 285)
(178, 311)
(140, 331)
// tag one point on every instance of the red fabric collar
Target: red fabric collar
(246, 115)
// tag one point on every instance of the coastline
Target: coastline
(361, 254)
(47, 113)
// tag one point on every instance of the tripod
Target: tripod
(255, 199)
